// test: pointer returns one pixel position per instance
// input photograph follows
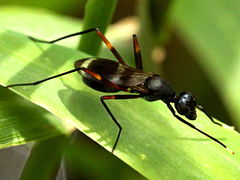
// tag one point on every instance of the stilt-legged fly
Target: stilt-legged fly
(110, 76)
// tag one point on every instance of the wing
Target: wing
(116, 73)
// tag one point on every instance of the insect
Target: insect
(110, 76)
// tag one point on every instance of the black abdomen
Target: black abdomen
(121, 75)
(95, 67)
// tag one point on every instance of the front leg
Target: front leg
(192, 126)
(208, 115)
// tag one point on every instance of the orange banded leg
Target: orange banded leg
(137, 53)
(99, 33)
(112, 97)
(93, 74)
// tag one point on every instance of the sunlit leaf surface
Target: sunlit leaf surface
(22, 122)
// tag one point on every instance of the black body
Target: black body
(111, 76)
(112, 71)
(150, 85)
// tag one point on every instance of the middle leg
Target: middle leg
(103, 98)
(137, 53)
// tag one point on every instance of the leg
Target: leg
(137, 53)
(99, 33)
(93, 74)
(202, 109)
(43, 80)
(192, 126)
(110, 113)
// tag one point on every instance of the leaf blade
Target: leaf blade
(153, 142)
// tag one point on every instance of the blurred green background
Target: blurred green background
(193, 44)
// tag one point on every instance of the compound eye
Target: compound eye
(182, 108)
(154, 83)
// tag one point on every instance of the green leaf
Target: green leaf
(44, 160)
(210, 30)
(153, 141)
(85, 156)
(31, 27)
(22, 121)
(28, 25)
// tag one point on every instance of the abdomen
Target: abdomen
(99, 66)
(119, 74)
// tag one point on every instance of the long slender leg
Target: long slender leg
(99, 33)
(137, 53)
(110, 113)
(208, 115)
(192, 126)
(43, 80)
(93, 74)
